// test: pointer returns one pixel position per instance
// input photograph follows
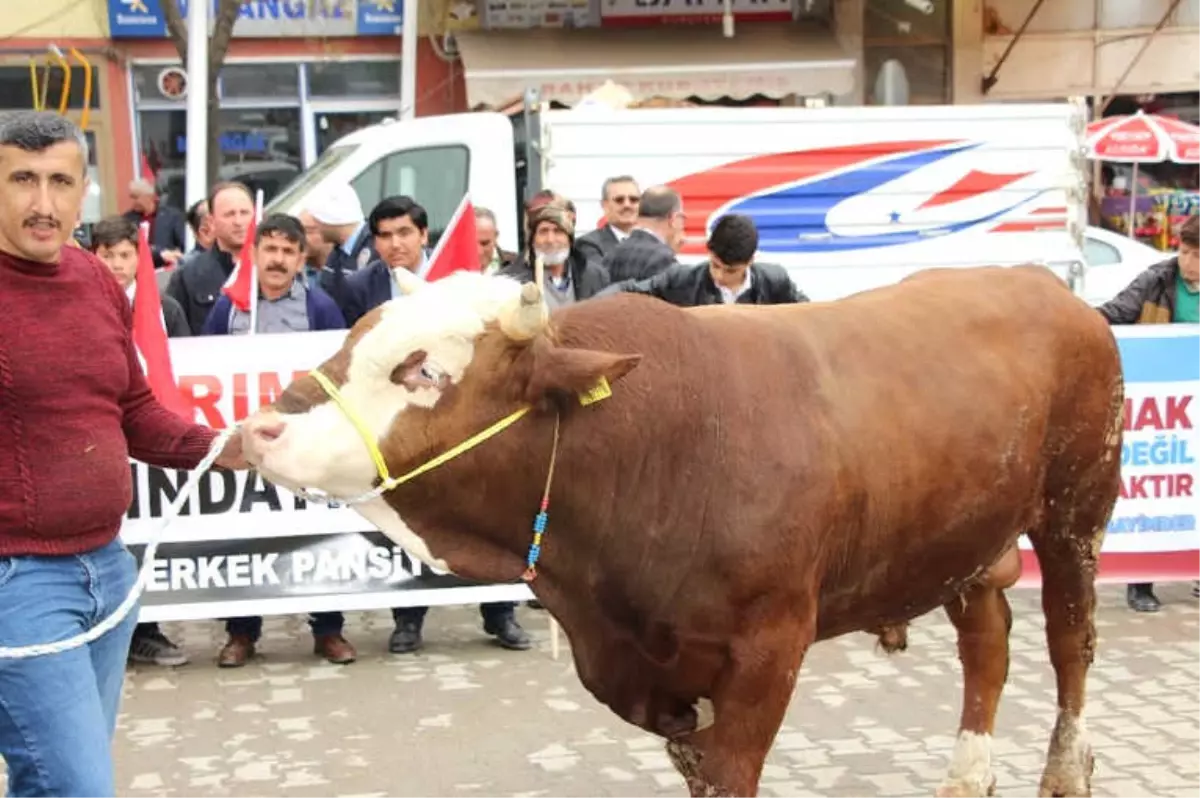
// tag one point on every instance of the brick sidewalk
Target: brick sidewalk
(467, 718)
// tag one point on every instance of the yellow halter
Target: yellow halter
(387, 480)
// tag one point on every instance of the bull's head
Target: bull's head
(422, 374)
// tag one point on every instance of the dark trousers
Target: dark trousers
(321, 623)
(492, 613)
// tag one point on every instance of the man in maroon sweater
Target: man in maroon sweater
(74, 406)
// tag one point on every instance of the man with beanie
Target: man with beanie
(339, 217)
(570, 276)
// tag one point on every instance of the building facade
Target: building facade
(298, 73)
(1007, 50)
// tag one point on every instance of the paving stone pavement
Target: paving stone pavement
(466, 718)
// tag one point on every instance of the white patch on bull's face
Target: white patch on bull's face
(389, 522)
(321, 448)
(970, 766)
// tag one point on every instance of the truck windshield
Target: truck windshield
(306, 181)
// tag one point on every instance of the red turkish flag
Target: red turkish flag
(150, 333)
(458, 248)
(242, 285)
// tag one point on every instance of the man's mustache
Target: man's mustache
(33, 221)
(276, 267)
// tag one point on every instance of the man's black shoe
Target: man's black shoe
(406, 638)
(509, 633)
(1141, 598)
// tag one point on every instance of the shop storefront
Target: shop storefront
(277, 116)
(295, 79)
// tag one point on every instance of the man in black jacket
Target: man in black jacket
(168, 228)
(570, 276)
(619, 198)
(339, 216)
(730, 275)
(652, 244)
(196, 285)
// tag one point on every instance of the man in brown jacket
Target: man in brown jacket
(1165, 293)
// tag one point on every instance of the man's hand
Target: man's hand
(231, 456)
(170, 256)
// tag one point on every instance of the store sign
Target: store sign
(500, 14)
(651, 12)
(267, 19)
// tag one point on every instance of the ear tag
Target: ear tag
(598, 392)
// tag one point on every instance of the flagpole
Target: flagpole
(258, 207)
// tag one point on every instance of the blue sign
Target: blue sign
(144, 19)
(380, 17)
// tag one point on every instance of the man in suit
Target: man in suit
(339, 217)
(619, 198)
(570, 276)
(651, 246)
(399, 228)
(730, 276)
(168, 228)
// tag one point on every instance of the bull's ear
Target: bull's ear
(574, 372)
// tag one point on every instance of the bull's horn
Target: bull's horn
(406, 281)
(527, 316)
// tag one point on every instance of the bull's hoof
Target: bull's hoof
(1062, 782)
(966, 788)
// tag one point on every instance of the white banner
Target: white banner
(241, 545)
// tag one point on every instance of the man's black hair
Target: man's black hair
(394, 208)
(113, 230)
(281, 224)
(194, 217)
(734, 239)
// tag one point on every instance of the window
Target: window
(925, 68)
(328, 161)
(354, 79)
(16, 87)
(1097, 253)
(436, 177)
(259, 147)
(277, 82)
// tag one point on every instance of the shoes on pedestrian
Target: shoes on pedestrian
(1196, 589)
(508, 633)
(153, 648)
(334, 648)
(1141, 598)
(406, 638)
(235, 653)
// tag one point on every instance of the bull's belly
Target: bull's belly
(910, 583)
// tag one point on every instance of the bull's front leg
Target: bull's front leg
(748, 706)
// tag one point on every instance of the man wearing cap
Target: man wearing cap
(339, 217)
(570, 276)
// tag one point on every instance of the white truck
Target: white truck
(845, 198)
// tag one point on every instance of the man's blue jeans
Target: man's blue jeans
(58, 713)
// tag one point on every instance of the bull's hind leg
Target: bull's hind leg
(983, 620)
(726, 756)
(1067, 548)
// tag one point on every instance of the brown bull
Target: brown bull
(761, 478)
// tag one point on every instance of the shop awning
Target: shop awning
(773, 60)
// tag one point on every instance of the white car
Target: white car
(1113, 260)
